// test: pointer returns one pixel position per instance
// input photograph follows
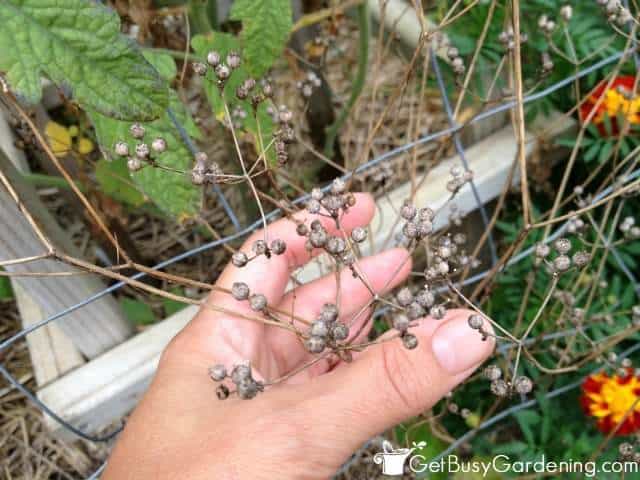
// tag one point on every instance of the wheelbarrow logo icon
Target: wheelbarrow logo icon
(393, 461)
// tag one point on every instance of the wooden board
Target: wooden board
(94, 328)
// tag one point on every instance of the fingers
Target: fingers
(230, 338)
(269, 276)
(388, 383)
(382, 272)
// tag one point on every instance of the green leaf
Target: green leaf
(172, 192)
(6, 292)
(137, 312)
(527, 419)
(173, 306)
(225, 43)
(266, 25)
(114, 179)
(77, 43)
(163, 63)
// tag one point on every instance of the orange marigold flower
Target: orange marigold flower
(619, 99)
(609, 399)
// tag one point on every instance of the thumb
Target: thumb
(388, 383)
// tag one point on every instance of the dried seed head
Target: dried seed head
(542, 250)
(523, 385)
(242, 93)
(213, 58)
(404, 296)
(408, 211)
(318, 238)
(425, 227)
(159, 145)
(222, 72)
(222, 392)
(415, 311)
(239, 259)
(475, 321)
(581, 258)
(248, 388)
(233, 60)
(267, 89)
(197, 177)
(339, 331)
(338, 186)
(315, 344)
(562, 246)
(426, 298)
(240, 291)
(329, 312)
(626, 449)
(278, 246)
(499, 388)
(410, 230)
(442, 267)
(335, 245)
(317, 194)
(199, 68)
(134, 164)
(142, 151)
(218, 372)
(401, 322)
(136, 130)
(492, 372)
(121, 149)
(561, 263)
(284, 114)
(452, 52)
(410, 341)
(259, 247)
(313, 206)
(359, 234)
(438, 312)
(566, 12)
(240, 372)
(302, 230)
(258, 302)
(319, 328)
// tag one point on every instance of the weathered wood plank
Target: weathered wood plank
(92, 329)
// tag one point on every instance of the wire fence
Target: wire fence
(453, 130)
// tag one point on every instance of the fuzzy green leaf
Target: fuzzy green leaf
(225, 43)
(266, 25)
(77, 43)
(113, 177)
(173, 193)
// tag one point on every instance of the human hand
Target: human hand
(307, 425)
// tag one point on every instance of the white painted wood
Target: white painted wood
(107, 388)
(94, 328)
(7, 144)
(52, 353)
(103, 390)
(400, 17)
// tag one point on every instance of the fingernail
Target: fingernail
(457, 347)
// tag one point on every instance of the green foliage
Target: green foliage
(173, 306)
(138, 312)
(77, 43)
(114, 179)
(266, 25)
(225, 43)
(172, 192)
(6, 292)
